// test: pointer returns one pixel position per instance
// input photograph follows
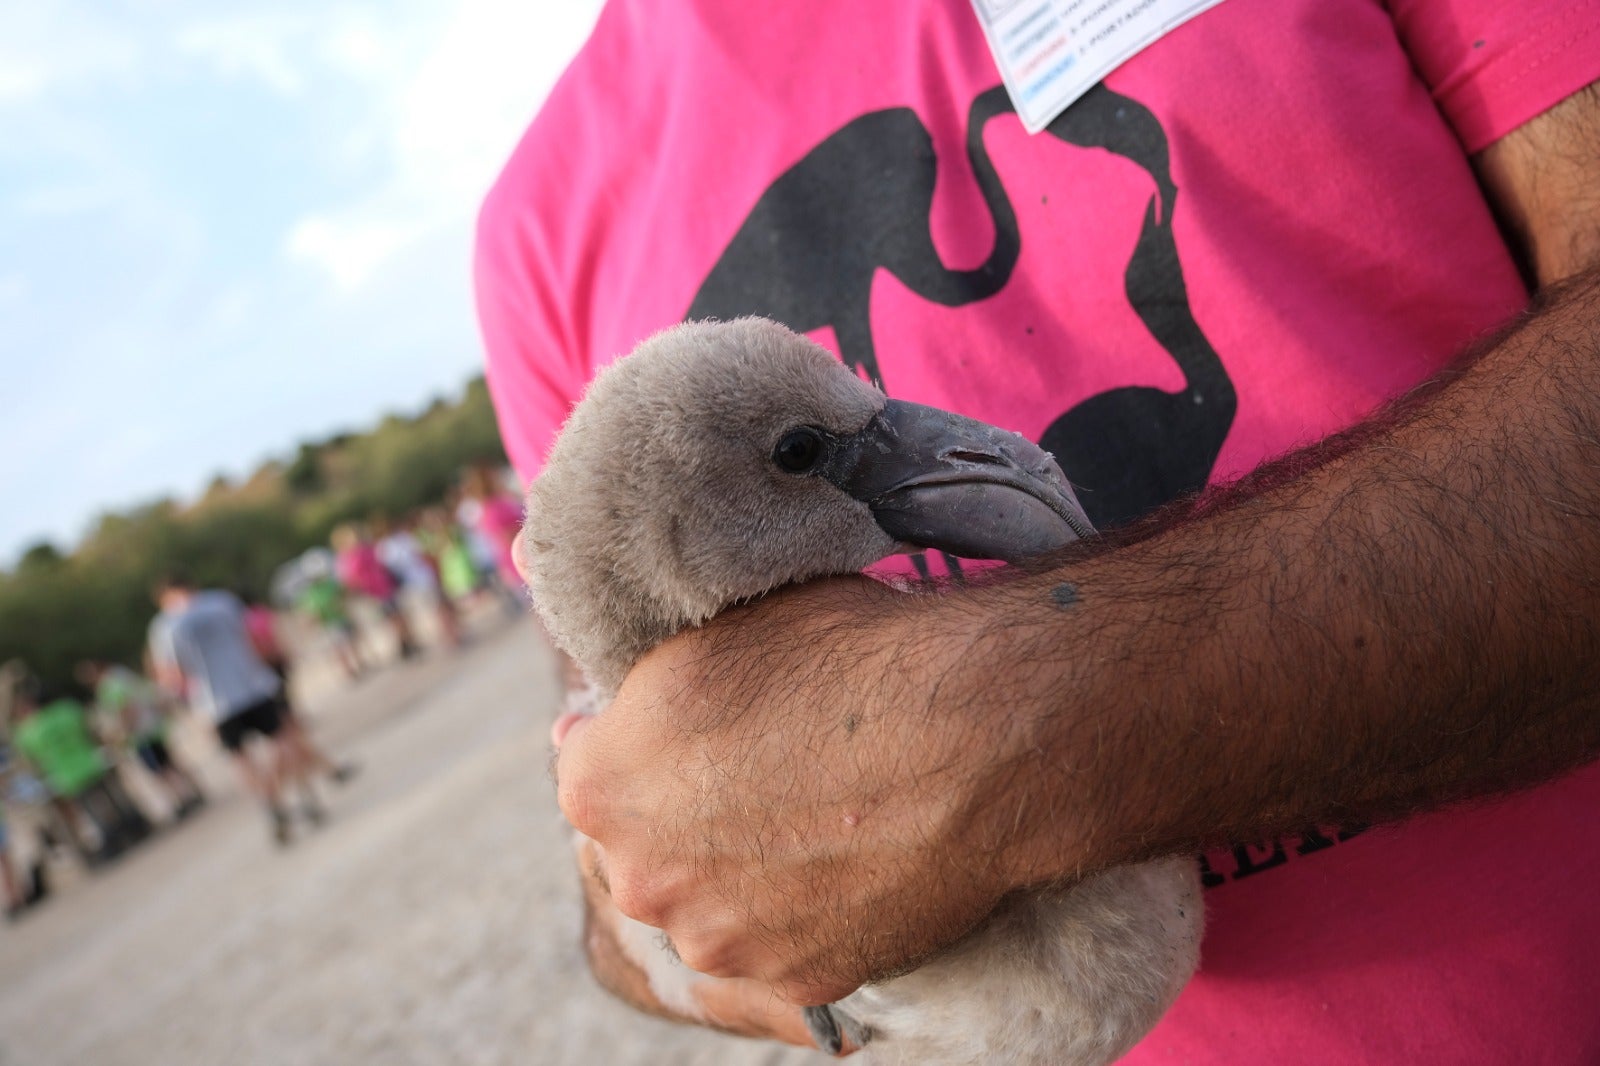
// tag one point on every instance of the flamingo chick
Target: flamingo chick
(719, 461)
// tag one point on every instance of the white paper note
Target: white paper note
(1051, 51)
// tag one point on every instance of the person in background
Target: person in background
(128, 699)
(261, 622)
(403, 555)
(321, 600)
(496, 516)
(361, 572)
(202, 652)
(15, 900)
(466, 511)
(51, 732)
(17, 784)
(19, 893)
(460, 577)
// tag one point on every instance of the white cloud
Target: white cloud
(350, 247)
(449, 120)
(358, 45)
(290, 51)
(62, 44)
(19, 82)
(265, 47)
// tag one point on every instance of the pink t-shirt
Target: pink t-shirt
(499, 519)
(361, 571)
(1250, 236)
(262, 624)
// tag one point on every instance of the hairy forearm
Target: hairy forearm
(1398, 618)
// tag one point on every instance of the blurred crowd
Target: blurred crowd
(380, 592)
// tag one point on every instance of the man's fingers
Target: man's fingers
(563, 725)
(813, 993)
(575, 796)
(750, 1008)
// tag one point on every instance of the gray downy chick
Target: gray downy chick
(719, 461)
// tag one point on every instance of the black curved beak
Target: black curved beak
(939, 480)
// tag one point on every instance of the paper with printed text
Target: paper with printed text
(1050, 52)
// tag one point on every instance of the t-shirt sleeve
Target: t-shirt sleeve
(535, 370)
(1493, 65)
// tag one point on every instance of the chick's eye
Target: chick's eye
(799, 450)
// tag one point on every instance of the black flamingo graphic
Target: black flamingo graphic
(1134, 448)
(857, 202)
(861, 200)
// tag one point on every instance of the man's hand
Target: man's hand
(804, 815)
(742, 1007)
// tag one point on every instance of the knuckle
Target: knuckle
(707, 956)
(636, 899)
(579, 802)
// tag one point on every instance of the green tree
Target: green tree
(58, 607)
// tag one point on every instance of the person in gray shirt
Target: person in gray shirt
(202, 652)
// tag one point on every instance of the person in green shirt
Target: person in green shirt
(52, 733)
(55, 738)
(133, 704)
(322, 600)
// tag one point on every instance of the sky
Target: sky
(229, 227)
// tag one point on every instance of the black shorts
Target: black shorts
(154, 754)
(262, 718)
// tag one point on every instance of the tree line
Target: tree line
(57, 607)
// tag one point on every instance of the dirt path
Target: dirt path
(432, 921)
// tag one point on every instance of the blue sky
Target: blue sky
(226, 228)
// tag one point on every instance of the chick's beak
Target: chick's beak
(950, 483)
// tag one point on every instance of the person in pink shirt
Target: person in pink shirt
(1304, 299)
(358, 568)
(496, 517)
(261, 622)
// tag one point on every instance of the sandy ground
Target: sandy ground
(433, 920)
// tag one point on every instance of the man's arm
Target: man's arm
(1544, 181)
(824, 787)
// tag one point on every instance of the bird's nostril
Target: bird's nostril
(961, 455)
